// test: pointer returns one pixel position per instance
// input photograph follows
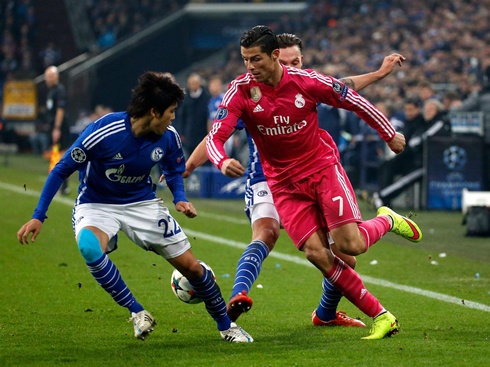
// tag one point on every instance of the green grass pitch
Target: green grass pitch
(54, 313)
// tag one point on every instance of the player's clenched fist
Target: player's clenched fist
(232, 168)
(397, 144)
(186, 208)
(33, 226)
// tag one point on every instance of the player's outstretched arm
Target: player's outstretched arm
(187, 208)
(397, 144)
(197, 158)
(33, 226)
(359, 82)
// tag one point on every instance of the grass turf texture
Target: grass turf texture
(56, 314)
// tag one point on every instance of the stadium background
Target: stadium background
(101, 47)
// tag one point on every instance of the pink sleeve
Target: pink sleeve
(224, 122)
(332, 92)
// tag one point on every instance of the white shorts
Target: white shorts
(259, 203)
(147, 223)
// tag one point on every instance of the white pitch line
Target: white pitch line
(223, 217)
(71, 202)
(290, 258)
(365, 278)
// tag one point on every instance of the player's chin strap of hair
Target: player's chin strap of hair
(89, 246)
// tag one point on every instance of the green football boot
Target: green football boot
(402, 226)
(385, 325)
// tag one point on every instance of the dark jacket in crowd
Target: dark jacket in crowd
(193, 120)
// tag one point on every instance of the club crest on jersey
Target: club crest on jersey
(78, 155)
(337, 87)
(299, 101)
(255, 94)
(221, 114)
(157, 154)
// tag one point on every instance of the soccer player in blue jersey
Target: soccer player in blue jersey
(261, 210)
(114, 156)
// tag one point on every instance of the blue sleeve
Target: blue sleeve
(76, 158)
(173, 165)
(239, 125)
(211, 109)
(51, 187)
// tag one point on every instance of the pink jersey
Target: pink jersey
(283, 122)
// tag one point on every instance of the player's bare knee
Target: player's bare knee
(269, 236)
(351, 246)
(314, 255)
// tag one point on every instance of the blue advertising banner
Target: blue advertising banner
(209, 182)
(453, 163)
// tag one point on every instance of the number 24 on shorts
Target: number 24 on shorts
(167, 231)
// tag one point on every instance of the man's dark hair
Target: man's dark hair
(155, 90)
(260, 36)
(416, 101)
(289, 40)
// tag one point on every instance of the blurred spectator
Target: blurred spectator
(50, 56)
(410, 164)
(426, 91)
(85, 118)
(477, 101)
(194, 114)
(215, 88)
(451, 100)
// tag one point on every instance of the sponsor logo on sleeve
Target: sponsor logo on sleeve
(262, 193)
(78, 155)
(221, 114)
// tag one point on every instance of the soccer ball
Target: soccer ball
(183, 289)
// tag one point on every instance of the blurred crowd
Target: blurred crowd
(20, 57)
(113, 20)
(17, 37)
(445, 45)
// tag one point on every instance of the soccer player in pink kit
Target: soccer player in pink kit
(310, 189)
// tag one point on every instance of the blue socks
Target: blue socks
(207, 289)
(249, 265)
(105, 272)
(331, 296)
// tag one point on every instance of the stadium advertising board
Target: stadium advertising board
(19, 100)
(209, 182)
(453, 163)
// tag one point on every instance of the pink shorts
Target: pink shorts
(325, 199)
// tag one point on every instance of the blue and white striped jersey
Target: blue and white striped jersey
(115, 165)
(255, 173)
